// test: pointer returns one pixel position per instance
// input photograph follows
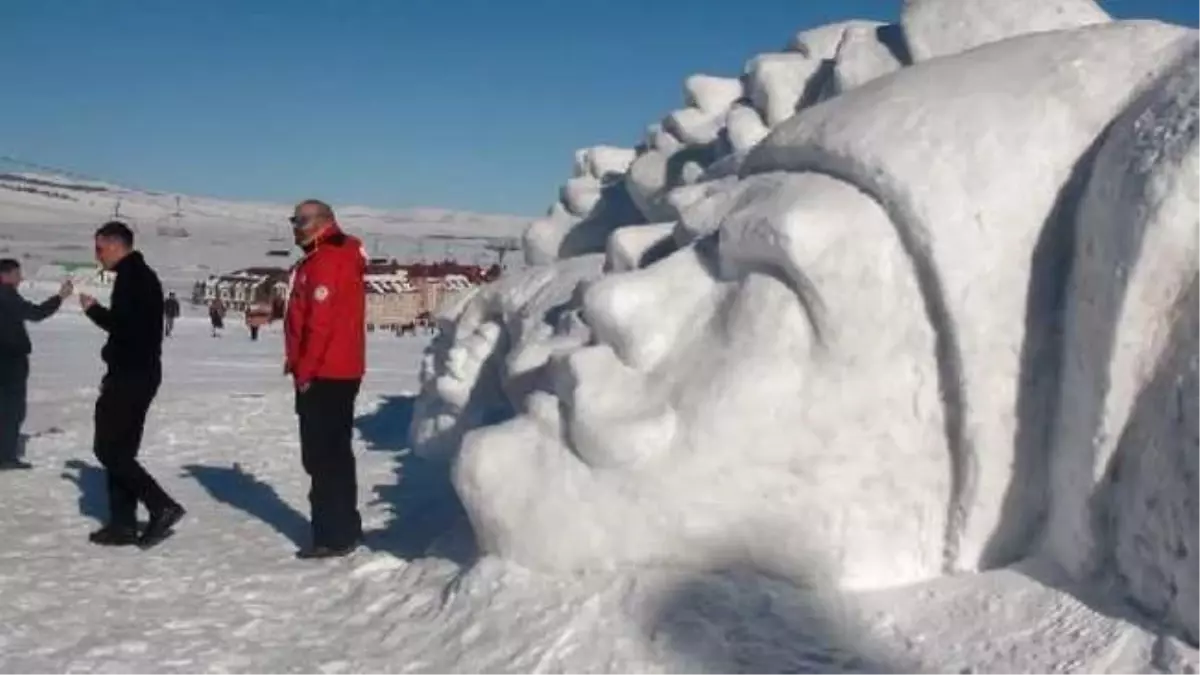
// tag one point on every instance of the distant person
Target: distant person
(256, 316)
(170, 313)
(326, 355)
(133, 354)
(14, 357)
(216, 316)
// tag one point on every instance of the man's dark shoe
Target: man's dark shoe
(322, 552)
(160, 525)
(15, 465)
(114, 535)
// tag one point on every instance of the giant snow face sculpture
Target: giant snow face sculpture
(851, 374)
(682, 430)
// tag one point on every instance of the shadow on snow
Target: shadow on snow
(426, 517)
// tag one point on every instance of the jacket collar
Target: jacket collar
(132, 259)
(323, 236)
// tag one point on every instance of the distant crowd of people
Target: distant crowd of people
(324, 354)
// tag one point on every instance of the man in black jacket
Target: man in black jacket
(133, 354)
(14, 356)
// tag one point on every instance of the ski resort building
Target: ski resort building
(398, 296)
(245, 287)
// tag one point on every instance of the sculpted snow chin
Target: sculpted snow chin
(841, 374)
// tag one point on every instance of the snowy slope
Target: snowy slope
(50, 218)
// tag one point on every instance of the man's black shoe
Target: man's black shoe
(15, 465)
(160, 525)
(114, 535)
(322, 552)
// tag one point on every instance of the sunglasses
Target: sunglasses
(300, 221)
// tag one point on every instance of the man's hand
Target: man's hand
(66, 289)
(86, 301)
(303, 386)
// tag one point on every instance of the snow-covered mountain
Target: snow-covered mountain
(48, 218)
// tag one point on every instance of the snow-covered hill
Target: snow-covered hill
(46, 218)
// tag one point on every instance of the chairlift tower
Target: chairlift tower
(501, 248)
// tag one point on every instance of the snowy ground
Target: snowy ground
(225, 593)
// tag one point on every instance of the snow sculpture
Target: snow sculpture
(864, 54)
(590, 206)
(722, 120)
(822, 42)
(488, 349)
(650, 417)
(939, 27)
(628, 246)
(1124, 469)
(833, 313)
(744, 128)
(845, 352)
(710, 94)
(1050, 116)
(777, 83)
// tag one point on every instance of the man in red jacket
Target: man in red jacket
(326, 355)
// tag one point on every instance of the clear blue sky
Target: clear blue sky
(470, 104)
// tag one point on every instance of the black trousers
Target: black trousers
(326, 411)
(120, 419)
(168, 325)
(14, 378)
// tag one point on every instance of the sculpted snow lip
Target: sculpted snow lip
(612, 417)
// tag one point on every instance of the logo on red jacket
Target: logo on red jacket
(320, 293)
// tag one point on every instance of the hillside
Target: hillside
(46, 218)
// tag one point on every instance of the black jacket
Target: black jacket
(135, 319)
(171, 308)
(14, 312)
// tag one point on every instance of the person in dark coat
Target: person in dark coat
(170, 313)
(14, 357)
(216, 316)
(133, 354)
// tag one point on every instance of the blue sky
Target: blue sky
(470, 104)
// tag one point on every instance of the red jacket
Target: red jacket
(326, 312)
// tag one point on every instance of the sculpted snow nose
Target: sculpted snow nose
(642, 314)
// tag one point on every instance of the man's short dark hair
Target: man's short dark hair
(324, 210)
(115, 229)
(9, 264)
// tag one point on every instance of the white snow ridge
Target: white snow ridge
(878, 354)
